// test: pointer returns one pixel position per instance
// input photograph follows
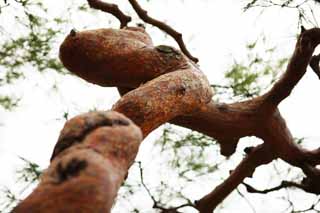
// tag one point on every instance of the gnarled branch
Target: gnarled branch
(166, 87)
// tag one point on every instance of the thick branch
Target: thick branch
(164, 27)
(95, 56)
(259, 155)
(164, 98)
(307, 42)
(112, 9)
(216, 119)
(143, 62)
(85, 176)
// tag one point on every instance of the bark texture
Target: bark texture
(89, 164)
(159, 84)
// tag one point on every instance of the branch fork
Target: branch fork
(95, 150)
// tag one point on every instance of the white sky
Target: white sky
(215, 32)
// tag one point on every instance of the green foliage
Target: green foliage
(254, 73)
(8, 200)
(171, 140)
(27, 178)
(241, 81)
(84, 7)
(188, 152)
(299, 140)
(29, 173)
(8, 102)
(188, 156)
(33, 46)
(31, 49)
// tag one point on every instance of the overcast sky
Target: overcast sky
(215, 31)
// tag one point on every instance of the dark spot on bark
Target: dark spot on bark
(168, 51)
(181, 90)
(120, 122)
(60, 146)
(72, 169)
(165, 49)
(70, 140)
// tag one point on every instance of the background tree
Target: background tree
(239, 79)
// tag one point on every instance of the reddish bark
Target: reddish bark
(124, 58)
(90, 162)
(167, 86)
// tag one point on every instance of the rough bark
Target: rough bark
(159, 84)
(89, 164)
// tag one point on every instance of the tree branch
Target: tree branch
(93, 165)
(153, 108)
(307, 42)
(179, 93)
(258, 156)
(284, 184)
(144, 185)
(112, 9)
(162, 26)
(314, 64)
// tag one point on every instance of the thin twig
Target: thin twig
(258, 156)
(247, 201)
(157, 204)
(112, 9)
(284, 184)
(144, 185)
(162, 26)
